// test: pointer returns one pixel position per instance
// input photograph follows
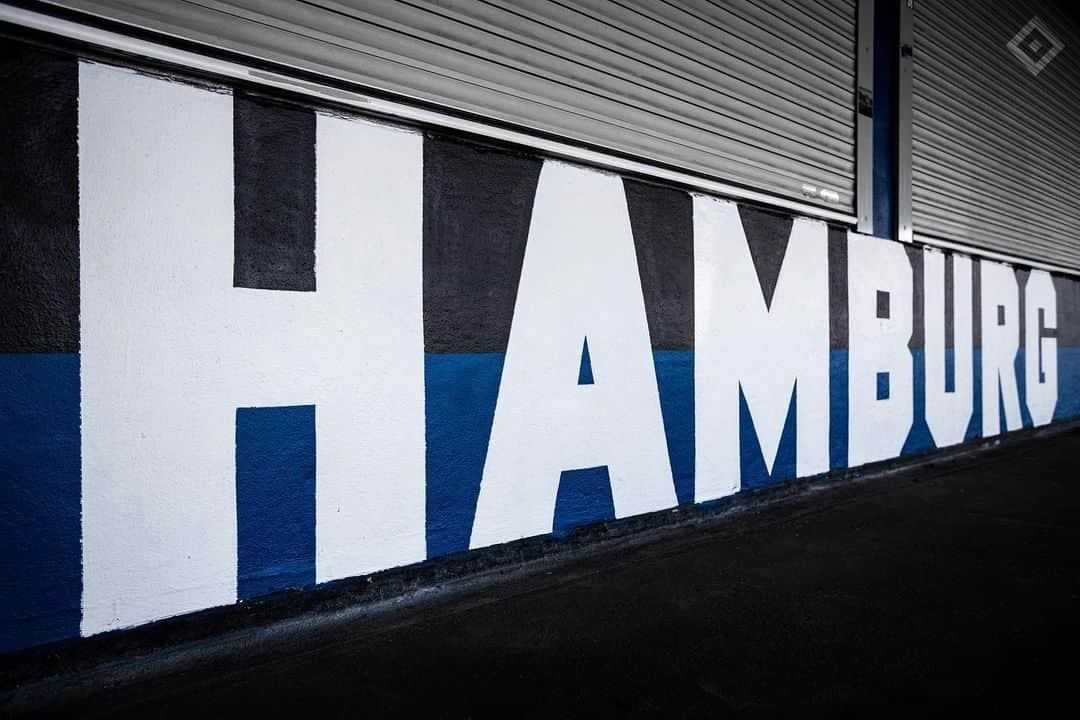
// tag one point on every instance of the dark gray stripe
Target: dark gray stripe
(950, 300)
(838, 291)
(976, 303)
(1068, 311)
(884, 304)
(39, 201)
(477, 208)
(918, 297)
(767, 235)
(663, 224)
(274, 171)
(1022, 276)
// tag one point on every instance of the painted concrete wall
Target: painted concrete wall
(246, 345)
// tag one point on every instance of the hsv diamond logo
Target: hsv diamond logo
(1035, 46)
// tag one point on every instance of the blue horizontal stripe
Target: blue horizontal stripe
(1068, 404)
(40, 499)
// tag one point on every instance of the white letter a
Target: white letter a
(579, 279)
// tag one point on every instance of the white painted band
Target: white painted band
(157, 51)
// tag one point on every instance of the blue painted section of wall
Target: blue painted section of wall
(974, 429)
(882, 379)
(675, 379)
(460, 394)
(886, 20)
(39, 458)
(39, 461)
(919, 437)
(1021, 390)
(1020, 367)
(585, 369)
(40, 499)
(950, 370)
(838, 408)
(275, 499)
(1002, 422)
(460, 390)
(584, 497)
(1068, 404)
(753, 470)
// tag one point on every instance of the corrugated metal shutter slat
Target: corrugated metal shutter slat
(760, 93)
(988, 167)
(995, 149)
(981, 87)
(681, 50)
(682, 101)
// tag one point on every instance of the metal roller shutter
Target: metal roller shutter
(757, 92)
(995, 148)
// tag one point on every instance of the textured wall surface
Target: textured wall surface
(247, 345)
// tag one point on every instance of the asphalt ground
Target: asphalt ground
(952, 585)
